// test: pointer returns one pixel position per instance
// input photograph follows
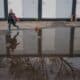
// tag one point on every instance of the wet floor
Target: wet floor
(22, 42)
(30, 42)
(28, 68)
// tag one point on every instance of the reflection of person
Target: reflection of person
(12, 43)
(12, 20)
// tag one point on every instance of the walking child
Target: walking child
(12, 19)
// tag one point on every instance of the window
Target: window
(56, 8)
(78, 9)
(1, 8)
(24, 8)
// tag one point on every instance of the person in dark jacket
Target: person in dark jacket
(12, 19)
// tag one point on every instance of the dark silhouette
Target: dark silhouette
(12, 19)
(11, 42)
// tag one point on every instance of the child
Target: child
(12, 20)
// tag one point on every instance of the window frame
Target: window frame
(40, 13)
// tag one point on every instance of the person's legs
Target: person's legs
(14, 24)
(9, 27)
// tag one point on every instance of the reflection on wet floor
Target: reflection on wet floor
(77, 41)
(29, 42)
(54, 40)
(22, 42)
(11, 43)
(27, 68)
(2, 42)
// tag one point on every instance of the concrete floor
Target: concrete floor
(26, 24)
(54, 41)
(39, 69)
(33, 24)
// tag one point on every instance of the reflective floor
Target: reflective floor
(53, 41)
(28, 68)
(27, 41)
(30, 42)
(18, 42)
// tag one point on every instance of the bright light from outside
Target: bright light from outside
(78, 9)
(56, 8)
(1, 8)
(24, 8)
